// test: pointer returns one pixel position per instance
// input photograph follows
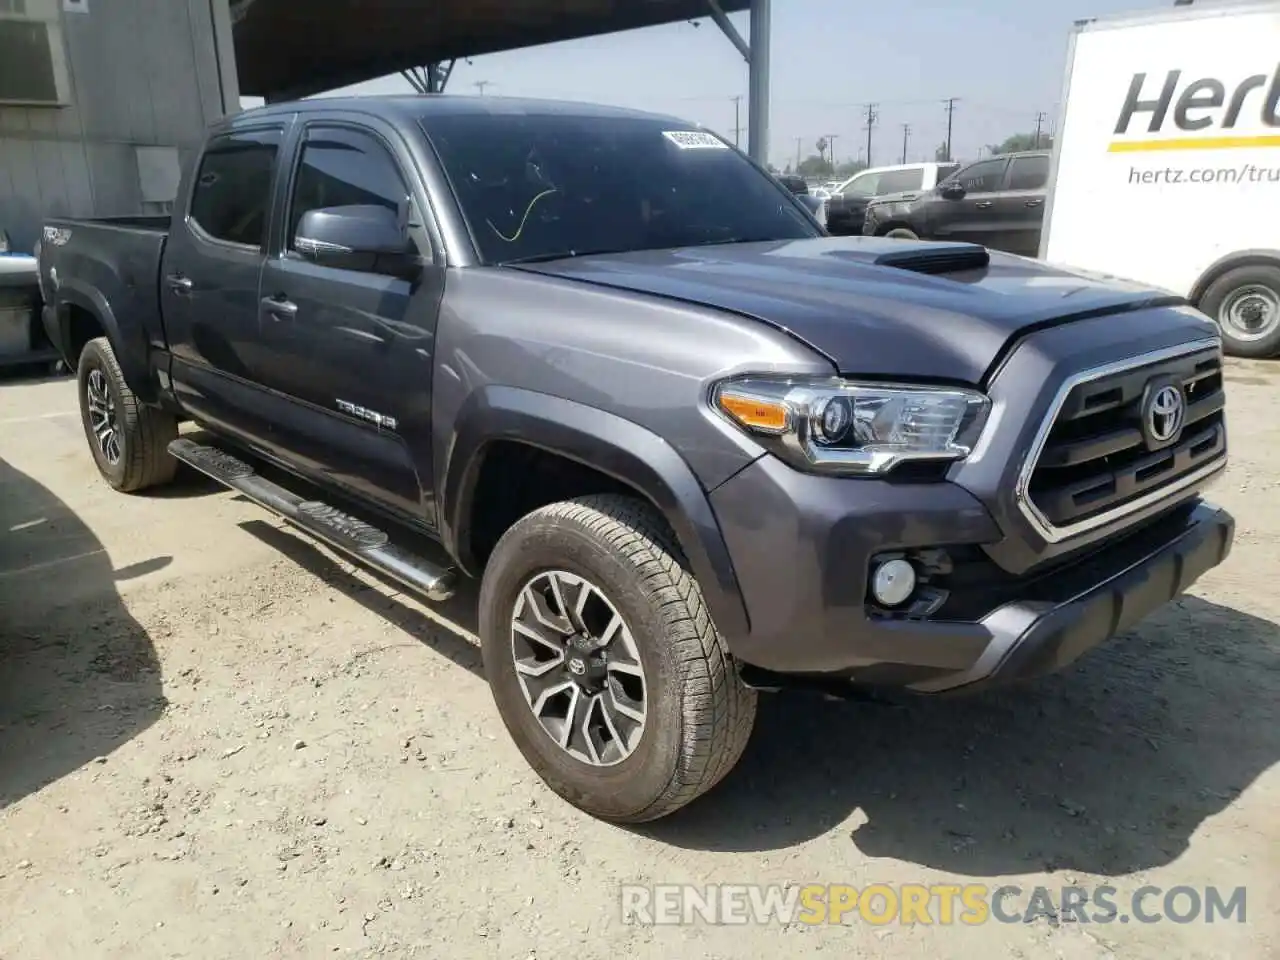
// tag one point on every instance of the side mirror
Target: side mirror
(364, 237)
(951, 190)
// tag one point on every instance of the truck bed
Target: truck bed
(111, 263)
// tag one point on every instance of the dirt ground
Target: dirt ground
(219, 740)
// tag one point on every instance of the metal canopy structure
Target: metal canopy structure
(286, 49)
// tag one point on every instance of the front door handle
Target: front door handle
(982, 204)
(1033, 203)
(179, 284)
(280, 308)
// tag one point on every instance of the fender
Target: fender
(603, 441)
(131, 356)
(1241, 258)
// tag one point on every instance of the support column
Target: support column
(758, 68)
(756, 53)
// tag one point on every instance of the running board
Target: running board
(359, 540)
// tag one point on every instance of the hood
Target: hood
(874, 307)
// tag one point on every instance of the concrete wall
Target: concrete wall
(146, 77)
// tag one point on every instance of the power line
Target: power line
(872, 117)
(951, 109)
(906, 134)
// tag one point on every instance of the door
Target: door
(209, 279)
(1020, 206)
(972, 217)
(349, 352)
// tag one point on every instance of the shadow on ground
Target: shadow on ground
(78, 676)
(1109, 768)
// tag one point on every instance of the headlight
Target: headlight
(838, 426)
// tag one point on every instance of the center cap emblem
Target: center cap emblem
(1166, 411)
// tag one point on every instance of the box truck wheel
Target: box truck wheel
(1246, 304)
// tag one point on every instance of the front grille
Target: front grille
(1098, 459)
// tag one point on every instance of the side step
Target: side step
(354, 537)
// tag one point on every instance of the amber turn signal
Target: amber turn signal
(754, 413)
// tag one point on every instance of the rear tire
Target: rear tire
(695, 714)
(129, 440)
(900, 233)
(1245, 303)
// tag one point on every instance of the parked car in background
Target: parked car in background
(848, 202)
(795, 183)
(997, 202)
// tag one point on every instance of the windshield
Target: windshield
(537, 186)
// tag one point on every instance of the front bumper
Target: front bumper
(802, 547)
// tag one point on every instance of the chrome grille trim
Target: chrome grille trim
(1056, 534)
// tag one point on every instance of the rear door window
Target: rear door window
(231, 198)
(897, 181)
(1028, 173)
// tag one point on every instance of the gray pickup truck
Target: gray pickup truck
(691, 446)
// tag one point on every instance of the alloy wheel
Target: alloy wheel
(103, 420)
(579, 667)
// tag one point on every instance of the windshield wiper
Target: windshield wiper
(564, 255)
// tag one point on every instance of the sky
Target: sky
(1003, 59)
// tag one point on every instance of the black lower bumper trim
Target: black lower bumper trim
(1033, 638)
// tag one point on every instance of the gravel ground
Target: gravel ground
(219, 740)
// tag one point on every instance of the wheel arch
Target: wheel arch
(78, 306)
(1240, 258)
(634, 458)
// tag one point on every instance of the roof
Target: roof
(413, 107)
(287, 48)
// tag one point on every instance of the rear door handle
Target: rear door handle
(179, 284)
(982, 204)
(1034, 203)
(280, 308)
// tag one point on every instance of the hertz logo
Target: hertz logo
(1202, 105)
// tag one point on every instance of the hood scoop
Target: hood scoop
(937, 258)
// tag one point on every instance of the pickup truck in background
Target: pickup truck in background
(847, 205)
(998, 202)
(691, 446)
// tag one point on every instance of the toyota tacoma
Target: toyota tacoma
(691, 446)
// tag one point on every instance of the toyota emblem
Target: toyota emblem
(1166, 411)
(577, 667)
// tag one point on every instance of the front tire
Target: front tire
(129, 440)
(604, 663)
(1245, 303)
(901, 233)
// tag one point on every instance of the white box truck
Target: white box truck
(1166, 168)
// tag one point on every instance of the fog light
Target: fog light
(893, 582)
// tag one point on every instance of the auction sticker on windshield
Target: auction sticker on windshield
(695, 140)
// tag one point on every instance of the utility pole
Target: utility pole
(737, 120)
(831, 150)
(1041, 117)
(906, 135)
(951, 109)
(481, 84)
(872, 117)
(799, 140)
